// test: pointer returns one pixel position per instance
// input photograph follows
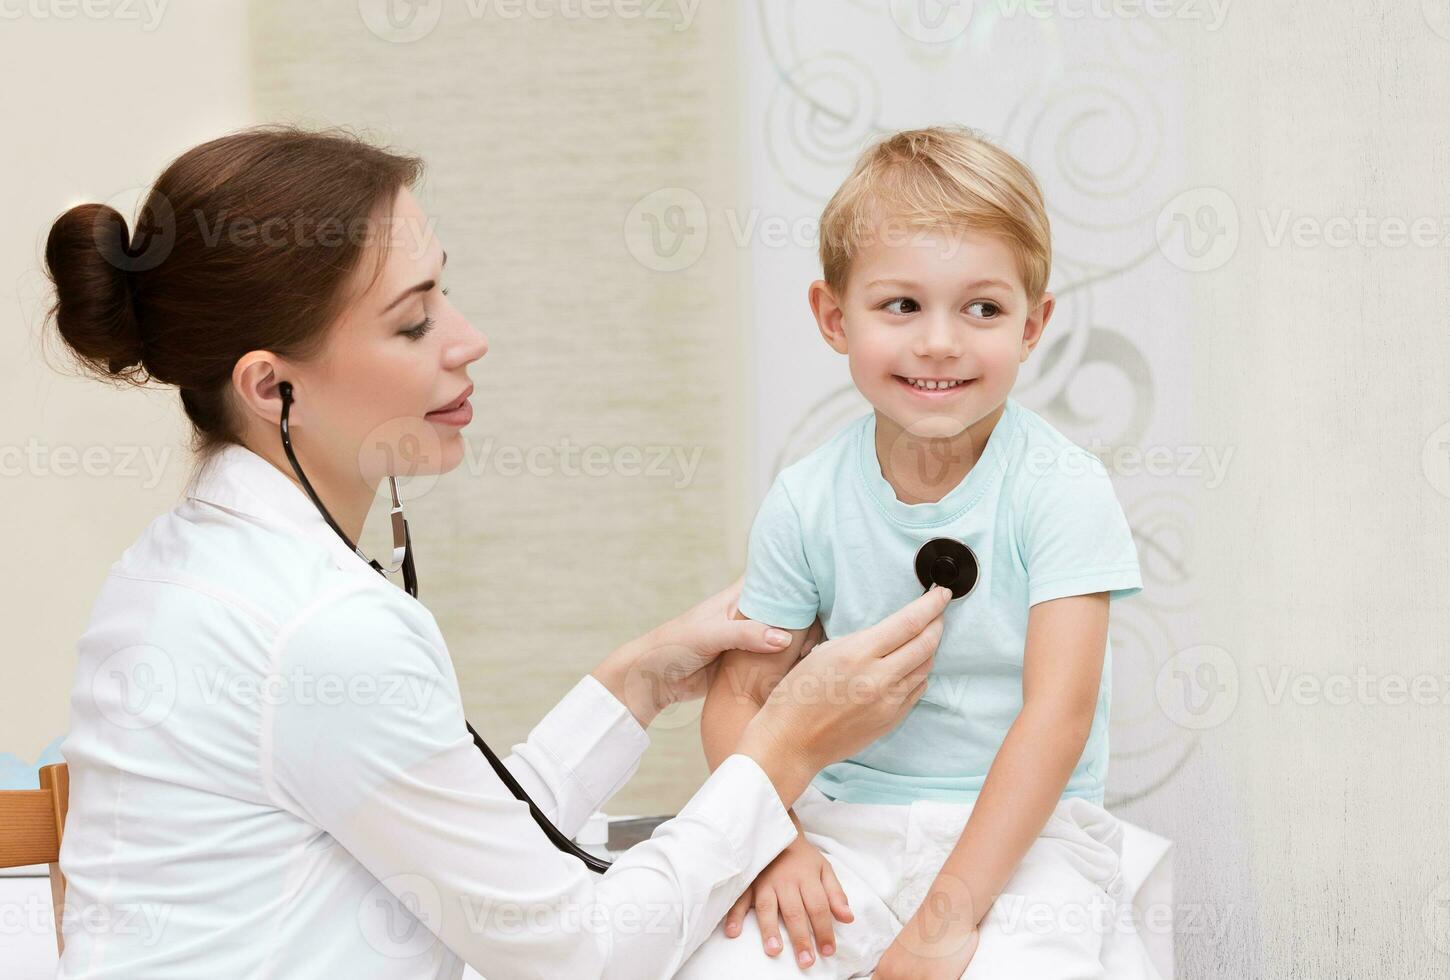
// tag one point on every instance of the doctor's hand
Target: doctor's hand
(676, 660)
(850, 691)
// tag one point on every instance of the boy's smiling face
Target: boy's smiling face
(934, 324)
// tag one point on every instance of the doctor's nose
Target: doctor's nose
(470, 345)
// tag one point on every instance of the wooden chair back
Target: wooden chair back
(32, 823)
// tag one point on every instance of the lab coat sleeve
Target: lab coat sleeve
(583, 751)
(1075, 538)
(390, 772)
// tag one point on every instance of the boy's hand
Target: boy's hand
(799, 887)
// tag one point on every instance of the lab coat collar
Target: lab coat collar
(243, 482)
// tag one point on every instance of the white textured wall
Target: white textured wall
(1294, 527)
(1097, 108)
(1325, 553)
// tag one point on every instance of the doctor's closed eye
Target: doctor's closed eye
(418, 330)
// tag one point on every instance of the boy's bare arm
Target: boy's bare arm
(1062, 668)
(741, 684)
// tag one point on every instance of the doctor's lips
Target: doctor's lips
(456, 412)
(933, 387)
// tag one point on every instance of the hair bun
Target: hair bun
(87, 257)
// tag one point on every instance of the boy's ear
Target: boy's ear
(828, 315)
(1036, 324)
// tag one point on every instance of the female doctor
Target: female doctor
(271, 774)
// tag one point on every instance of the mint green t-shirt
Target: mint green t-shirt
(831, 539)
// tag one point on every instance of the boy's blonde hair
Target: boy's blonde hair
(945, 177)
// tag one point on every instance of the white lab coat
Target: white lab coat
(271, 777)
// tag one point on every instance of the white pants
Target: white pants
(1063, 915)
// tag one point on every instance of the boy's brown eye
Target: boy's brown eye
(992, 309)
(902, 304)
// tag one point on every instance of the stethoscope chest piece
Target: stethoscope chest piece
(947, 562)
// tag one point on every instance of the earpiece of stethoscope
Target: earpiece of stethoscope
(402, 540)
(947, 562)
(403, 557)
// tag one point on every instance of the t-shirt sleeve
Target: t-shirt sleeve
(779, 588)
(1075, 538)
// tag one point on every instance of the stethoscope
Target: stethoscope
(403, 558)
(941, 561)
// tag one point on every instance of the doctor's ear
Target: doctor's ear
(829, 316)
(257, 384)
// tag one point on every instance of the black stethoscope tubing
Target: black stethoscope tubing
(410, 585)
(940, 561)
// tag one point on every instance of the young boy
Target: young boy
(970, 841)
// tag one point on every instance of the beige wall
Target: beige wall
(93, 109)
(541, 134)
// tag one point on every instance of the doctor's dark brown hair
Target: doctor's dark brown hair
(244, 243)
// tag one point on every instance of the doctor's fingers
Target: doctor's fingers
(914, 655)
(719, 636)
(908, 622)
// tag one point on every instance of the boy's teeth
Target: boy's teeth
(932, 385)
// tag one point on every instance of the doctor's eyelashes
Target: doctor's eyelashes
(419, 331)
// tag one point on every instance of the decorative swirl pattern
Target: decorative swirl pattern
(1111, 384)
(1094, 134)
(1162, 524)
(823, 113)
(1094, 140)
(1146, 747)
